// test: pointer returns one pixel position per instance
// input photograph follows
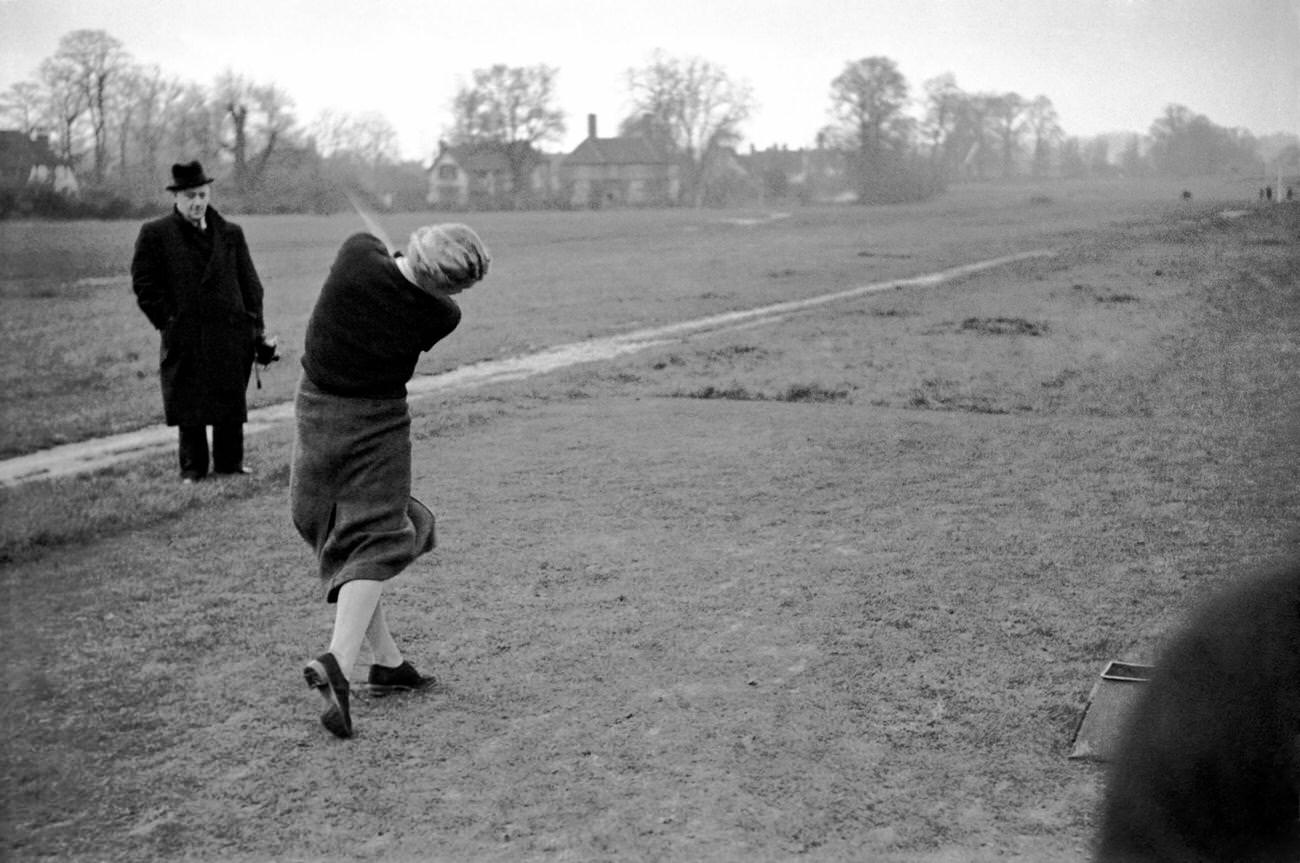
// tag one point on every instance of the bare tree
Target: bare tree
(356, 149)
(93, 59)
(275, 123)
(943, 107)
(65, 101)
(259, 118)
(131, 108)
(329, 131)
(367, 139)
(508, 104)
(192, 123)
(974, 131)
(1044, 125)
(472, 118)
(23, 105)
(1007, 115)
(142, 119)
(868, 100)
(233, 95)
(513, 107)
(695, 105)
(374, 140)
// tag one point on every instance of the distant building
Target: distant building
(600, 172)
(473, 176)
(479, 177)
(619, 172)
(27, 160)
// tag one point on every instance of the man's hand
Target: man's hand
(267, 350)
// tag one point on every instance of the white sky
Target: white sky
(1107, 65)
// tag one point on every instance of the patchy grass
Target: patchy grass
(1103, 296)
(1004, 327)
(934, 394)
(793, 393)
(675, 628)
(138, 493)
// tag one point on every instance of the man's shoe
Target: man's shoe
(404, 678)
(324, 675)
(239, 471)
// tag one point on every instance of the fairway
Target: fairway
(815, 579)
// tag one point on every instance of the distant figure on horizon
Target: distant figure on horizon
(194, 280)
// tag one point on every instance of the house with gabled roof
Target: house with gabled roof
(27, 160)
(619, 172)
(475, 176)
(479, 177)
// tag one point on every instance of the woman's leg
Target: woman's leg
(358, 602)
(383, 649)
(390, 672)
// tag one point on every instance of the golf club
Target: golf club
(371, 222)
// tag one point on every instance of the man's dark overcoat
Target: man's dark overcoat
(201, 291)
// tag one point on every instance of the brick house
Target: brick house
(27, 160)
(619, 172)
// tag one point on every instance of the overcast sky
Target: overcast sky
(1107, 65)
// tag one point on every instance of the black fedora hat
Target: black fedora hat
(187, 176)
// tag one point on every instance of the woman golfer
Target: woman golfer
(350, 483)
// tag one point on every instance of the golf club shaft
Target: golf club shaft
(371, 223)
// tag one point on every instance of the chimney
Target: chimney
(591, 125)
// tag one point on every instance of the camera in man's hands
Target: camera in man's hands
(267, 350)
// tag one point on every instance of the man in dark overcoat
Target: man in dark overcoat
(194, 280)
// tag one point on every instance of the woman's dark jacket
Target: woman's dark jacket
(370, 324)
(201, 291)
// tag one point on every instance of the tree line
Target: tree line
(121, 124)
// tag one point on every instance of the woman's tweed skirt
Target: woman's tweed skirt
(350, 487)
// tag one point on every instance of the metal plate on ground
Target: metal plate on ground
(1102, 723)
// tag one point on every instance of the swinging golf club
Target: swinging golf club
(369, 219)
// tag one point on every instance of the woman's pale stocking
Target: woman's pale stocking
(357, 604)
(383, 649)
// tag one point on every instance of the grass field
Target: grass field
(832, 587)
(81, 361)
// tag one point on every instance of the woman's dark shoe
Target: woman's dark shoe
(403, 678)
(324, 675)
